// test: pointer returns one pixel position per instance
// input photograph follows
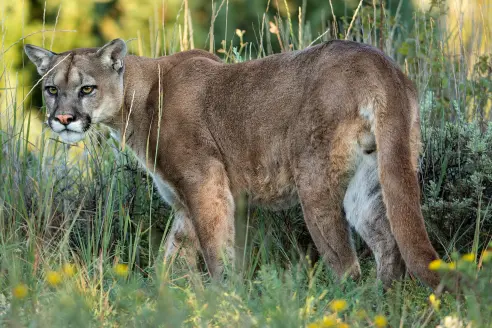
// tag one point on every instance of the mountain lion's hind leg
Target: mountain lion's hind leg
(322, 177)
(365, 210)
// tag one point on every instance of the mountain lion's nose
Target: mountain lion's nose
(65, 119)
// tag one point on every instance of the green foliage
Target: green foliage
(457, 173)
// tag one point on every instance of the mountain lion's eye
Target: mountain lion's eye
(52, 90)
(87, 89)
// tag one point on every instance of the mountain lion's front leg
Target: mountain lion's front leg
(211, 205)
(182, 240)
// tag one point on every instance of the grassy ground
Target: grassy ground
(81, 226)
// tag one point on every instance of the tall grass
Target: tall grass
(81, 225)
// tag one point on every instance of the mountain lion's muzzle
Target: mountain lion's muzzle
(70, 127)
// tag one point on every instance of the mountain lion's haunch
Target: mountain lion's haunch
(334, 127)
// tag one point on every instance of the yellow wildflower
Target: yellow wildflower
(53, 278)
(436, 265)
(452, 266)
(121, 270)
(486, 256)
(329, 321)
(69, 269)
(380, 321)
(435, 302)
(20, 291)
(314, 325)
(338, 305)
(470, 257)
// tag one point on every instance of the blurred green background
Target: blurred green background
(160, 27)
(97, 21)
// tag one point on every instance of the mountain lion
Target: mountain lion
(334, 127)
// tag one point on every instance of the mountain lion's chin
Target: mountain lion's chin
(71, 136)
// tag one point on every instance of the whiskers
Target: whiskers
(94, 138)
(97, 139)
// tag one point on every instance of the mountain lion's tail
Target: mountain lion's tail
(397, 134)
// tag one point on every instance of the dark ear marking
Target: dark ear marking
(112, 54)
(40, 57)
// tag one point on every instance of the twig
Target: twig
(54, 28)
(353, 19)
(123, 139)
(381, 27)
(335, 25)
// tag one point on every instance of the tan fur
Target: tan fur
(285, 129)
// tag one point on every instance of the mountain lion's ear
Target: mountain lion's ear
(112, 54)
(40, 57)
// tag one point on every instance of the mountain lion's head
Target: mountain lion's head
(81, 86)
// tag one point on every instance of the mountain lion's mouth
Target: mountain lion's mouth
(71, 136)
(72, 132)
